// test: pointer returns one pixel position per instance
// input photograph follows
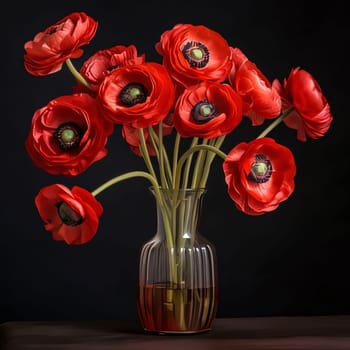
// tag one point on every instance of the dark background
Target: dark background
(293, 261)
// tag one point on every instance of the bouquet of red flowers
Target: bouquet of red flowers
(199, 92)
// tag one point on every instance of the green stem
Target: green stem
(209, 159)
(76, 74)
(188, 164)
(188, 153)
(157, 194)
(126, 176)
(198, 165)
(145, 154)
(155, 142)
(176, 154)
(161, 155)
(276, 122)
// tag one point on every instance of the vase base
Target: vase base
(158, 332)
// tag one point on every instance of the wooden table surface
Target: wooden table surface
(252, 333)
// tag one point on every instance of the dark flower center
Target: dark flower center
(132, 94)
(261, 169)
(68, 136)
(196, 54)
(55, 28)
(111, 67)
(204, 111)
(68, 215)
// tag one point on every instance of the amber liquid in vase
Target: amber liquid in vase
(176, 310)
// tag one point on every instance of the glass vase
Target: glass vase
(178, 284)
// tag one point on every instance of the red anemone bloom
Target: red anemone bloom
(48, 50)
(312, 116)
(140, 94)
(103, 62)
(259, 175)
(195, 53)
(207, 110)
(260, 100)
(68, 135)
(71, 216)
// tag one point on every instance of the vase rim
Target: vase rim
(187, 189)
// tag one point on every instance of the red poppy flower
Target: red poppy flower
(48, 50)
(239, 58)
(207, 110)
(195, 53)
(312, 116)
(103, 62)
(260, 100)
(140, 94)
(259, 175)
(68, 135)
(71, 216)
(131, 136)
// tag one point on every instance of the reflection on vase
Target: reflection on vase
(178, 287)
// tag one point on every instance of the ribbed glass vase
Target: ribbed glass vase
(178, 285)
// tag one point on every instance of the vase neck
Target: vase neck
(181, 208)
